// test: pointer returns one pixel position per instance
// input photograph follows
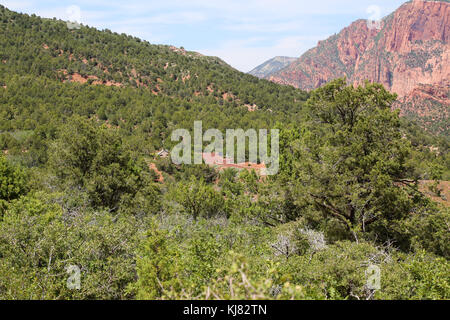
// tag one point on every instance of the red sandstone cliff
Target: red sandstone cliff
(409, 55)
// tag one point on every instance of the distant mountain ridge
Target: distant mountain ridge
(271, 66)
(409, 55)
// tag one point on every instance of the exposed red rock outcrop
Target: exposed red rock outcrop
(429, 105)
(159, 174)
(443, 186)
(409, 55)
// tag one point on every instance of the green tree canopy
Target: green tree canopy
(348, 160)
(93, 158)
(13, 182)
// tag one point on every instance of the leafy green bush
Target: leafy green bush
(13, 181)
(198, 199)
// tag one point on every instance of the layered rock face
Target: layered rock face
(409, 54)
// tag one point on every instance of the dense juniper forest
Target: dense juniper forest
(83, 115)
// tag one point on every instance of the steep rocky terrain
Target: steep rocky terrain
(271, 66)
(409, 54)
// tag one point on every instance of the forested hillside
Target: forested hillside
(82, 113)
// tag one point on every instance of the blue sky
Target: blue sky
(244, 33)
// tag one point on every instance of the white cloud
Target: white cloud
(178, 18)
(285, 8)
(265, 27)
